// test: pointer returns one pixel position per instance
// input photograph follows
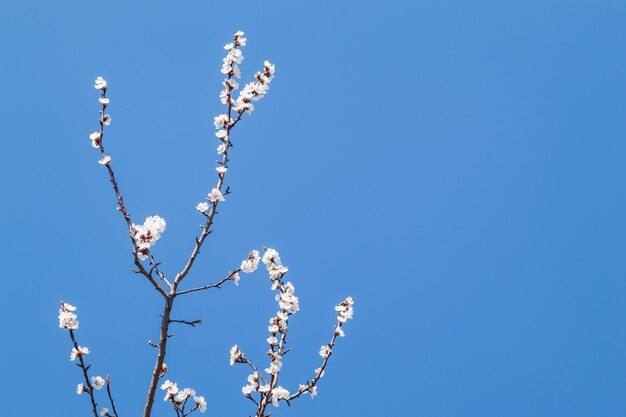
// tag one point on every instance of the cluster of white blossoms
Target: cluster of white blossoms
(345, 311)
(253, 384)
(250, 264)
(234, 56)
(278, 394)
(105, 119)
(82, 350)
(67, 318)
(147, 234)
(235, 355)
(272, 262)
(177, 397)
(255, 90)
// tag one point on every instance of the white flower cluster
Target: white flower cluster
(147, 234)
(235, 355)
(67, 318)
(176, 396)
(276, 269)
(251, 263)
(234, 56)
(255, 90)
(345, 311)
(279, 393)
(78, 352)
(253, 385)
(277, 362)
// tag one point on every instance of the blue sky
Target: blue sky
(457, 167)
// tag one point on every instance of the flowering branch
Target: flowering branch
(68, 321)
(144, 236)
(97, 141)
(288, 305)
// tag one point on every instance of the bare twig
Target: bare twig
(108, 382)
(190, 323)
(214, 285)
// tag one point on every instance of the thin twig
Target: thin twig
(108, 381)
(214, 285)
(85, 368)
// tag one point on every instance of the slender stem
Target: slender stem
(163, 336)
(122, 208)
(94, 405)
(108, 381)
(214, 285)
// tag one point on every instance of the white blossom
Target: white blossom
(97, 382)
(184, 394)
(200, 402)
(104, 411)
(100, 84)
(221, 149)
(147, 234)
(105, 160)
(216, 195)
(106, 119)
(80, 352)
(96, 139)
(80, 388)
(202, 207)
(221, 169)
(67, 319)
(104, 101)
(236, 278)
(279, 393)
(345, 310)
(271, 259)
(221, 134)
(235, 354)
(252, 263)
(253, 384)
(320, 372)
(287, 301)
(325, 351)
(171, 389)
(221, 120)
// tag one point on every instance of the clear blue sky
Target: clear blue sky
(457, 167)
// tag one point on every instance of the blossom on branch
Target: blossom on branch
(96, 139)
(252, 263)
(80, 352)
(200, 403)
(216, 195)
(67, 319)
(97, 382)
(100, 84)
(147, 234)
(235, 355)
